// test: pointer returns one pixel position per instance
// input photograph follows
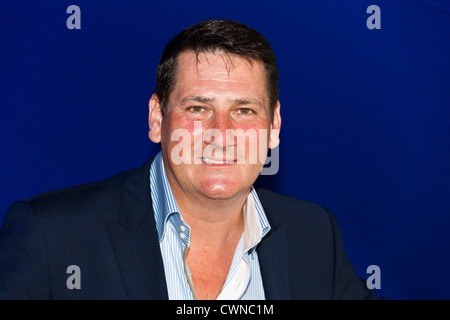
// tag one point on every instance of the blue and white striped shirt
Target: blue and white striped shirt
(244, 277)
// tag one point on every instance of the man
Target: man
(188, 224)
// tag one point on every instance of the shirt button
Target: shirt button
(182, 228)
(182, 235)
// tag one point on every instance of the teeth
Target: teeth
(210, 161)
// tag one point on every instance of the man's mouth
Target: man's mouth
(212, 161)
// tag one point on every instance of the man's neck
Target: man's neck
(212, 221)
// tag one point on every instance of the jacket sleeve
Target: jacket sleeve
(347, 285)
(23, 266)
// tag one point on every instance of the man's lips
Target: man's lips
(210, 161)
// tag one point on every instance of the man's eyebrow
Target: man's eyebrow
(201, 99)
(236, 102)
(240, 102)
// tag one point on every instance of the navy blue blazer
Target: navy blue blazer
(108, 230)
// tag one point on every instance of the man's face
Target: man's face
(212, 98)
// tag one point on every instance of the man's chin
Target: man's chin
(218, 194)
(220, 191)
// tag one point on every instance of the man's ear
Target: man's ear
(154, 119)
(275, 127)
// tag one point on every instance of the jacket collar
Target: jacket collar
(273, 252)
(135, 239)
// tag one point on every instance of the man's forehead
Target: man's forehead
(211, 75)
(218, 59)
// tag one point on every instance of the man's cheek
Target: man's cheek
(180, 150)
(251, 146)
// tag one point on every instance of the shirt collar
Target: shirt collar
(164, 204)
(256, 224)
(166, 209)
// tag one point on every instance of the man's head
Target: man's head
(216, 101)
(211, 36)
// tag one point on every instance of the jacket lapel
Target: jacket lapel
(273, 251)
(273, 261)
(135, 240)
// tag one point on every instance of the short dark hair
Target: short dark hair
(227, 36)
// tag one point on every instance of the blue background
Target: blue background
(366, 113)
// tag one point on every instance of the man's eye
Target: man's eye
(245, 111)
(196, 109)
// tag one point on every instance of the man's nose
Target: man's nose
(220, 131)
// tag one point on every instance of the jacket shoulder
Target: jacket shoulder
(97, 198)
(284, 209)
(86, 187)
